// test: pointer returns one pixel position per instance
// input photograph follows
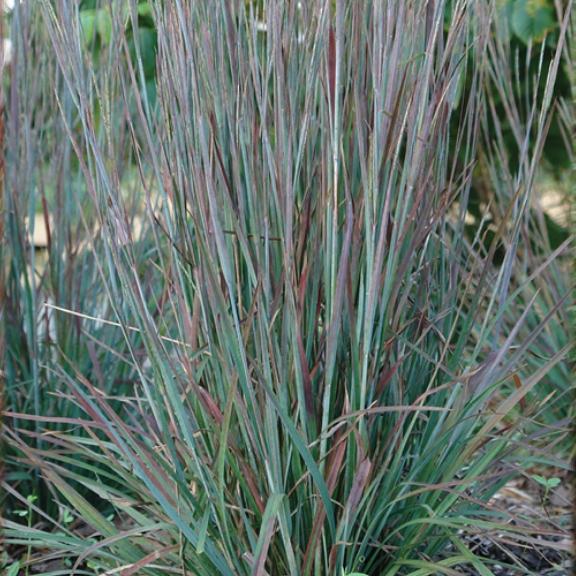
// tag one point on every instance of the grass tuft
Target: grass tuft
(299, 311)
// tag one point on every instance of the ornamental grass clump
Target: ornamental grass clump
(265, 340)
